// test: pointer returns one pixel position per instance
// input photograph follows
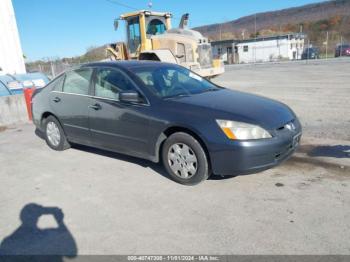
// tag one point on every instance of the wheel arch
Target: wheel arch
(45, 115)
(176, 129)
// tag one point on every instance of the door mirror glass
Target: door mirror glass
(130, 97)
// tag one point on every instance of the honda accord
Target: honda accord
(166, 113)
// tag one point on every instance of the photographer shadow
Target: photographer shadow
(31, 243)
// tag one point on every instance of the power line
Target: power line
(133, 8)
(121, 4)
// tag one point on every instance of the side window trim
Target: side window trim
(93, 85)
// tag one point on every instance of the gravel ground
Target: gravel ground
(114, 204)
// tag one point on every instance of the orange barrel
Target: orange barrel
(28, 92)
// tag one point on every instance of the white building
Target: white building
(263, 49)
(11, 55)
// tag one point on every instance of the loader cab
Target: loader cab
(141, 26)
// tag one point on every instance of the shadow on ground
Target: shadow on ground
(337, 151)
(157, 167)
(31, 243)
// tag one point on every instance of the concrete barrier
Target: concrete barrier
(13, 110)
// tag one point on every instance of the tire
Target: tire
(184, 153)
(58, 142)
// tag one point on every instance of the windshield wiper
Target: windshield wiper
(174, 96)
(211, 89)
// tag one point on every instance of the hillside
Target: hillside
(313, 19)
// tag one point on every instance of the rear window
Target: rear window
(56, 84)
(78, 81)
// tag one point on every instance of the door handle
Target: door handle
(56, 99)
(95, 106)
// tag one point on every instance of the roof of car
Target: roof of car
(129, 64)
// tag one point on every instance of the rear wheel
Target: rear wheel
(185, 159)
(54, 135)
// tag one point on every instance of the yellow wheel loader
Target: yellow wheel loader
(150, 37)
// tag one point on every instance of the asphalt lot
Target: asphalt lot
(114, 204)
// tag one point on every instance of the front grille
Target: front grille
(205, 55)
(284, 152)
(291, 126)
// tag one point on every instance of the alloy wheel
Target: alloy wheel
(53, 133)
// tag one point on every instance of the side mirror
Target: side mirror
(130, 97)
(116, 24)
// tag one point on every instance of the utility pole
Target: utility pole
(52, 69)
(255, 38)
(327, 46)
(308, 50)
(341, 45)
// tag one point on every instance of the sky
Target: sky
(66, 28)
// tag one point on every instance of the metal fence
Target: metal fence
(51, 68)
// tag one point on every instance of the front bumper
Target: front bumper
(247, 157)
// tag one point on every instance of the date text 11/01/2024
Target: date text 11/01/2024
(174, 258)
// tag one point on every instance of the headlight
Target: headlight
(242, 131)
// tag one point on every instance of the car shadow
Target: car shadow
(31, 243)
(218, 177)
(39, 134)
(157, 167)
(337, 151)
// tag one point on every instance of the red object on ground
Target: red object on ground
(28, 93)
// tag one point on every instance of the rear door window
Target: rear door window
(78, 81)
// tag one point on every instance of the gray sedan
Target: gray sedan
(166, 113)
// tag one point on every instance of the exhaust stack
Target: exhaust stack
(184, 21)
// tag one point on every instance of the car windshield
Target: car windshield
(173, 81)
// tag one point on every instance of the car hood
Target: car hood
(239, 106)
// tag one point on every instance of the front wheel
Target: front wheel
(185, 159)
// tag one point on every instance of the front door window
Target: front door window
(134, 36)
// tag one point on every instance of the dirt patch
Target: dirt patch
(3, 128)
